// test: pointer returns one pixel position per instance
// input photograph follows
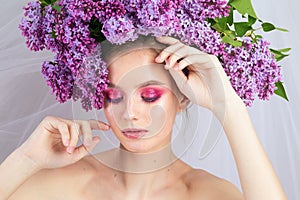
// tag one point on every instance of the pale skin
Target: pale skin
(50, 166)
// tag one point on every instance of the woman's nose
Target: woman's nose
(130, 111)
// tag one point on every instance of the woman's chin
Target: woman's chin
(141, 146)
(137, 146)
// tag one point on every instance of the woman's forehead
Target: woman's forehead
(137, 68)
(129, 76)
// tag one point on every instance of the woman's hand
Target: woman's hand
(206, 83)
(53, 142)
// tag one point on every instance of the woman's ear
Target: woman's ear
(183, 103)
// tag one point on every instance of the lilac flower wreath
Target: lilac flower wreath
(73, 29)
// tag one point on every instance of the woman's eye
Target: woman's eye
(150, 95)
(113, 96)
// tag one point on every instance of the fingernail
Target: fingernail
(70, 150)
(176, 67)
(88, 142)
(97, 139)
(157, 59)
(107, 126)
(67, 142)
(167, 65)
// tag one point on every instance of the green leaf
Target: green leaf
(282, 29)
(230, 17)
(284, 50)
(57, 8)
(43, 4)
(278, 54)
(231, 41)
(280, 57)
(243, 7)
(230, 34)
(95, 28)
(251, 20)
(53, 34)
(241, 28)
(280, 90)
(220, 25)
(268, 26)
(48, 2)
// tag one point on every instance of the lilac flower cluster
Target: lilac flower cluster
(73, 29)
(119, 30)
(252, 70)
(200, 34)
(155, 17)
(91, 81)
(213, 8)
(31, 26)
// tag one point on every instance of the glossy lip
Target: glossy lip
(134, 133)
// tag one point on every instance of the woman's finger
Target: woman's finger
(98, 125)
(82, 150)
(164, 54)
(202, 61)
(86, 133)
(75, 131)
(61, 127)
(177, 56)
(167, 40)
(65, 133)
(179, 78)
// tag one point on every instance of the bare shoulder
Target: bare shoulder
(48, 182)
(204, 185)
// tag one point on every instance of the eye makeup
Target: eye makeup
(113, 95)
(151, 94)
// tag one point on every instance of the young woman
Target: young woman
(147, 89)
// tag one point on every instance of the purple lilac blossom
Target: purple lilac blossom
(214, 8)
(91, 81)
(31, 26)
(155, 17)
(119, 30)
(199, 33)
(78, 69)
(48, 24)
(109, 8)
(252, 70)
(60, 79)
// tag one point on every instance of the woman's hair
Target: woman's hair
(110, 52)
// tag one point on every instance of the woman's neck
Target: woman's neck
(136, 163)
(139, 173)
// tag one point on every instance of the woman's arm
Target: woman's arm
(14, 171)
(53, 144)
(257, 176)
(208, 86)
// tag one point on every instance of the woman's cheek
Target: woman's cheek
(110, 115)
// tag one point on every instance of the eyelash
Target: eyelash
(150, 100)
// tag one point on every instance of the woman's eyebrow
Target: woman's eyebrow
(145, 84)
(111, 85)
(152, 82)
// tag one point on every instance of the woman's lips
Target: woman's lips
(134, 133)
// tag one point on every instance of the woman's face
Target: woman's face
(141, 101)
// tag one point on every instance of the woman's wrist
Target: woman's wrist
(232, 104)
(26, 159)
(14, 171)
